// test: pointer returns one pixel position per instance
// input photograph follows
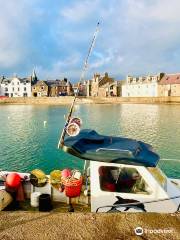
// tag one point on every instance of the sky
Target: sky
(136, 37)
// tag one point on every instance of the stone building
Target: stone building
(80, 88)
(52, 88)
(110, 89)
(143, 86)
(60, 88)
(103, 86)
(169, 85)
(98, 82)
(40, 89)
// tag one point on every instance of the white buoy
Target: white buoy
(35, 199)
(45, 122)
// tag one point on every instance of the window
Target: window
(111, 87)
(6, 89)
(13, 83)
(125, 180)
(24, 83)
(18, 89)
(17, 83)
(25, 89)
(42, 87)
(13, 89)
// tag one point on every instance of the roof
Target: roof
(170, 79)
(8, 80)
(57, 83)
(54, 83)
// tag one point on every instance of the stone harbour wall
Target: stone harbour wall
(88, 100)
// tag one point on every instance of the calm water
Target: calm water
(26, 144)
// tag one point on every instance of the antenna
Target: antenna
(61, 140)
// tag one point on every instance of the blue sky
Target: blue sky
(53, 36)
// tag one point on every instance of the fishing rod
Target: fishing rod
(61, 140)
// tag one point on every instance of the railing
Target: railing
(139, 203)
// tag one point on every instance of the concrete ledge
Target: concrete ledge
(42, 226)
(89, 100)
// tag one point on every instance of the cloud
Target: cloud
(16, 21)
(79, 10)
(104, 58)
(60, 68)
(136, 37)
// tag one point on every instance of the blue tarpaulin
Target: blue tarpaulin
(90, 145)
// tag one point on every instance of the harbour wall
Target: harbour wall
(89, 100)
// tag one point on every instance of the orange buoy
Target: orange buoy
(13, 180)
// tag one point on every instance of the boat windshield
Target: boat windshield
(124, 180)
(158, 175)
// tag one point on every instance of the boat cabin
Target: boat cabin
(132, 188)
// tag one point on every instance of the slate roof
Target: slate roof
(57, 83)
(170, 79)
(8, 80)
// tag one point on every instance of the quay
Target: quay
(65, 100)
(54, 225)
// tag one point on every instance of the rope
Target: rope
(170, 159)
(138, 203)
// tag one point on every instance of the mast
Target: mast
(61, 140)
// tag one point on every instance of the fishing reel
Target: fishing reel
(73, 127)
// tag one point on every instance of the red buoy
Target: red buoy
(13, 180)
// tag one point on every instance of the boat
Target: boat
(124, 175)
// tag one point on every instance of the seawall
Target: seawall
(89, 100)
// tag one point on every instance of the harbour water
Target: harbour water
(26, 142)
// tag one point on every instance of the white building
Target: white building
(144, 86)
(15, 87)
